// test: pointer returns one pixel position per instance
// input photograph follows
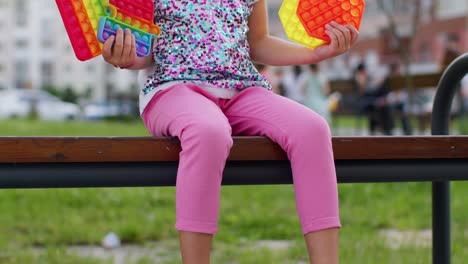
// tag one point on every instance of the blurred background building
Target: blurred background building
(36, 52)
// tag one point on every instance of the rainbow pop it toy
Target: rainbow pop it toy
(86, 21)
(304, 20)
(137, 8)
(109, 26)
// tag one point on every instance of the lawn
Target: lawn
(40, 226)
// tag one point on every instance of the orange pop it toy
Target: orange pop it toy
(304, 20)
(293, 27)
(315, 14)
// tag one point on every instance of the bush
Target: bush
(67, 94)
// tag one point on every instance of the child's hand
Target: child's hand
(342, 39)
(120, 50)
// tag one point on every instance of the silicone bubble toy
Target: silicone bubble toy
(109, 26)
(304, 20)
(89, 23)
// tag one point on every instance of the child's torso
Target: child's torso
(204, 41)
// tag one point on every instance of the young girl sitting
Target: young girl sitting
(203, 88)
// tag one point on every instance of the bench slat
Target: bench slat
(420, 81)
(146, 149)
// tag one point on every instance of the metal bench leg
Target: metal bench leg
(441, 190)
(441, 222)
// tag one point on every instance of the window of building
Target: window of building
(47, 35)
(21, 13)
(425, 54)
(21, 43)
(47, 43)
(22, 74)
(47, 68)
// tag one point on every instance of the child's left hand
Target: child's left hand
(342, 39)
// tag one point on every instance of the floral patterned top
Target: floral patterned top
(203, 42)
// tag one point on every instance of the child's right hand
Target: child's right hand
(120, 50)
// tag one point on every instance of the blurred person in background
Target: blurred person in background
(292, 83)
(464, 92)
(316, 89)
(278, 74)
(397, 100)
(372, 101)
(451, 51)
(464, 106)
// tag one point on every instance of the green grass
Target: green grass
(56, 219)
(459, 124)
(40, 128)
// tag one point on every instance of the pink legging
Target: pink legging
(204, 124)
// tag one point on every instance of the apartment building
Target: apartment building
(6, 45)
(37, 53)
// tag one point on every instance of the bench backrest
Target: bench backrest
(420, 81)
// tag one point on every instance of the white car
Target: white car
(100, 110)
(12, 106)
(18, 103)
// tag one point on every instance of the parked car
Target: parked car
(11, 106)
(18, 103)
(100, 110)
(109, 109)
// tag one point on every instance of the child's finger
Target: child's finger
(118, 45)
(107, 49)
(339, 36)
(127, 43)
(354, 33)
(333, 37)
(344, 32)
(133, 51)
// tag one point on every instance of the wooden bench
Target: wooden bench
(347, 105)
(420, 81)
(69, 162)
(65, 162)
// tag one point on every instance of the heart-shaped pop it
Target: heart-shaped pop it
(293, 27)
(315, 14)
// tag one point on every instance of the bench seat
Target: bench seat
(56, 162)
